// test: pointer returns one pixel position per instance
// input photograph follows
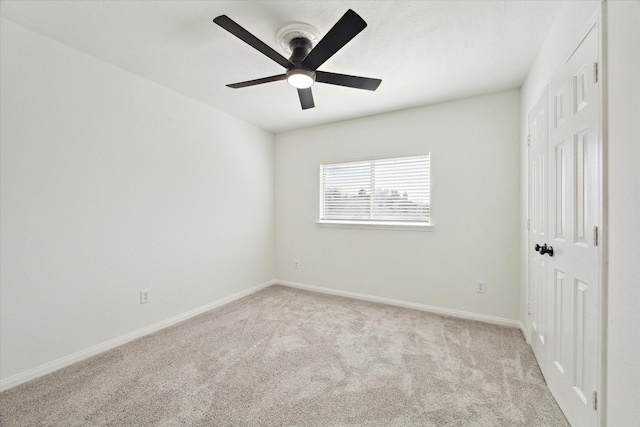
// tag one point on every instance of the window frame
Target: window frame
(373, 223)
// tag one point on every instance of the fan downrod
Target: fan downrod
(300, 48)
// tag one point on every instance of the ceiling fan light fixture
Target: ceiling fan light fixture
(308, 53)
(301, 78)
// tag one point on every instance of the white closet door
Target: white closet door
(572, 289)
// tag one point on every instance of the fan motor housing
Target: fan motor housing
(300, 48)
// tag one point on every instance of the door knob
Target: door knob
(546, 250)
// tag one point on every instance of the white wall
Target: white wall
(623, 79)
(111, 184)
(474, 148)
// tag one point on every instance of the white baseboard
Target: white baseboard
(54, 365)
(525, 332)
(422, 307)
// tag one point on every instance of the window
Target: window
(383, 191)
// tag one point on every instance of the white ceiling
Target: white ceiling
(424, 51)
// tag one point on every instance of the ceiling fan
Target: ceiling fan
(302, 66)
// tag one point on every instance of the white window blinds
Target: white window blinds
(384, 190)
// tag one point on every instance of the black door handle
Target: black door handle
(544, 249)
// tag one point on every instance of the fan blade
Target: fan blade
(258, 81)
(345, 29)
(306, 98)
(349, 81)
(230, 25)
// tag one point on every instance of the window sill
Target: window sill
(376, 225)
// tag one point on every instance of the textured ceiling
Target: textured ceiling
(424, 51)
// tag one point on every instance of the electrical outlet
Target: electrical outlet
(145, 296)
(481, 286)
(296, 264)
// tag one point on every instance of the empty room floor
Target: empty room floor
(287, 357)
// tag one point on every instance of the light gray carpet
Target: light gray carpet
(284, 357)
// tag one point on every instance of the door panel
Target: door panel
(559, 286)
(581, 178)
(560, 203)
